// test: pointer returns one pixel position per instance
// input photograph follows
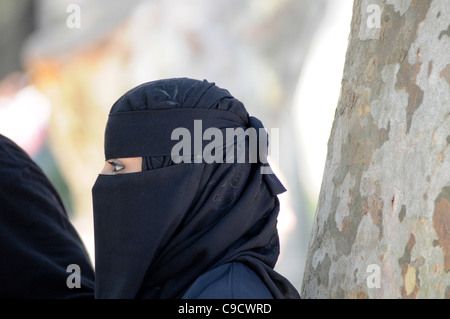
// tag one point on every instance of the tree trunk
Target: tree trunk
(382, 225)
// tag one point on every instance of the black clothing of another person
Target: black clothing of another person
(187, 230)
(37, 240)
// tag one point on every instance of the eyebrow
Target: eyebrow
(115, 161)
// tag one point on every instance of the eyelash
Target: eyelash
(117, 167)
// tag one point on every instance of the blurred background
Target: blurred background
(64, 63)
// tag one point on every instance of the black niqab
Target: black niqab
(158, 230)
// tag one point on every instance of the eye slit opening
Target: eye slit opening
(117, 166)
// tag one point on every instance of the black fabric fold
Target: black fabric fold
(37, 240)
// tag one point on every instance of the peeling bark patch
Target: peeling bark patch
(358, 294)
(419, 262)
(406, 80)
(410, 279)
(323, 270)
(356, 157)
(406, 258)
(374, 206)
(445, 32)
(445, 73)
(401, 30)
(402, 213)
(430, 68)
(441, 223)
(410, 274)
(400, 6)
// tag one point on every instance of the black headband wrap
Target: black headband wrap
(148, 133)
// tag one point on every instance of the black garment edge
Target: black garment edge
(37, 240)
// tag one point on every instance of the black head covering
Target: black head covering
(158, 230)
(37, 240)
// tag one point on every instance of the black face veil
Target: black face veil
(158, 230)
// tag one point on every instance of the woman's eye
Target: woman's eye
(117, 166)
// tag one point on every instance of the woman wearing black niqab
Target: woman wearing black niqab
(189, 229)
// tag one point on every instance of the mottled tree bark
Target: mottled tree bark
(382, 225)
